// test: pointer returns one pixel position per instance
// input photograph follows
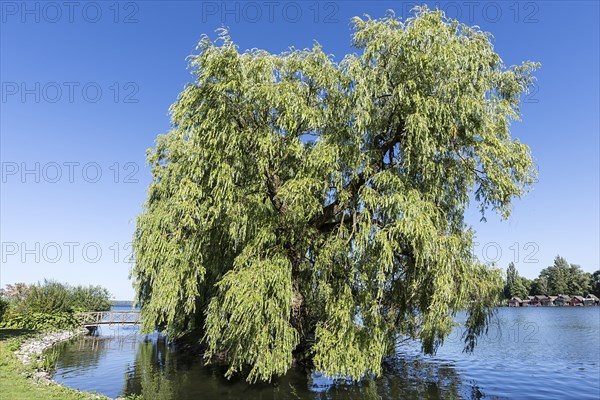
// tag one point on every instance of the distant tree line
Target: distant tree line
(559, 278)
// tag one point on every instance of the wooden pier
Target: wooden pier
(91, 320)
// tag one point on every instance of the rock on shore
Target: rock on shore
(32, 349)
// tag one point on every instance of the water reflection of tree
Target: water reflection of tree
(160, 372)
(411, 378)
(154, 374)
(84, 353)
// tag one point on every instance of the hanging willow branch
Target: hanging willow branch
(244, 239)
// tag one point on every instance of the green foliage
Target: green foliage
(579, 282)
(539, 286)
(55, 297)
(595, 283)
(559, 278)
(527, 284)
(49, 297)
(563, 278)
(39, 321)
(90, 298)
(51, 305)
(49, 359)
(266, 343)
(13, 339)
(515, 285)
(135, 396)
(302, 205)
(4, 304)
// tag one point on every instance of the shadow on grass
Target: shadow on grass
(6, 334)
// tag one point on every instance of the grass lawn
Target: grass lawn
(14, 381)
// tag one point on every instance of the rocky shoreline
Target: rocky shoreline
(32, 349)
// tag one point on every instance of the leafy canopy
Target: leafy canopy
(565, 278)
(303, 208)
(515, 284)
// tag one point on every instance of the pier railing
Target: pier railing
(96, 318)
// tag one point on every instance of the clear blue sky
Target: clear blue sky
(58, 132)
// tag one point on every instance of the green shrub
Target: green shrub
(90, 298)
(50, 297)
(39, 321)
(55, 297)
(4, 304)
(52, 305)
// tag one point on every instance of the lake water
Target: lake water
(529, 353)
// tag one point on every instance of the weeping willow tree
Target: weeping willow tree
(312, 210)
